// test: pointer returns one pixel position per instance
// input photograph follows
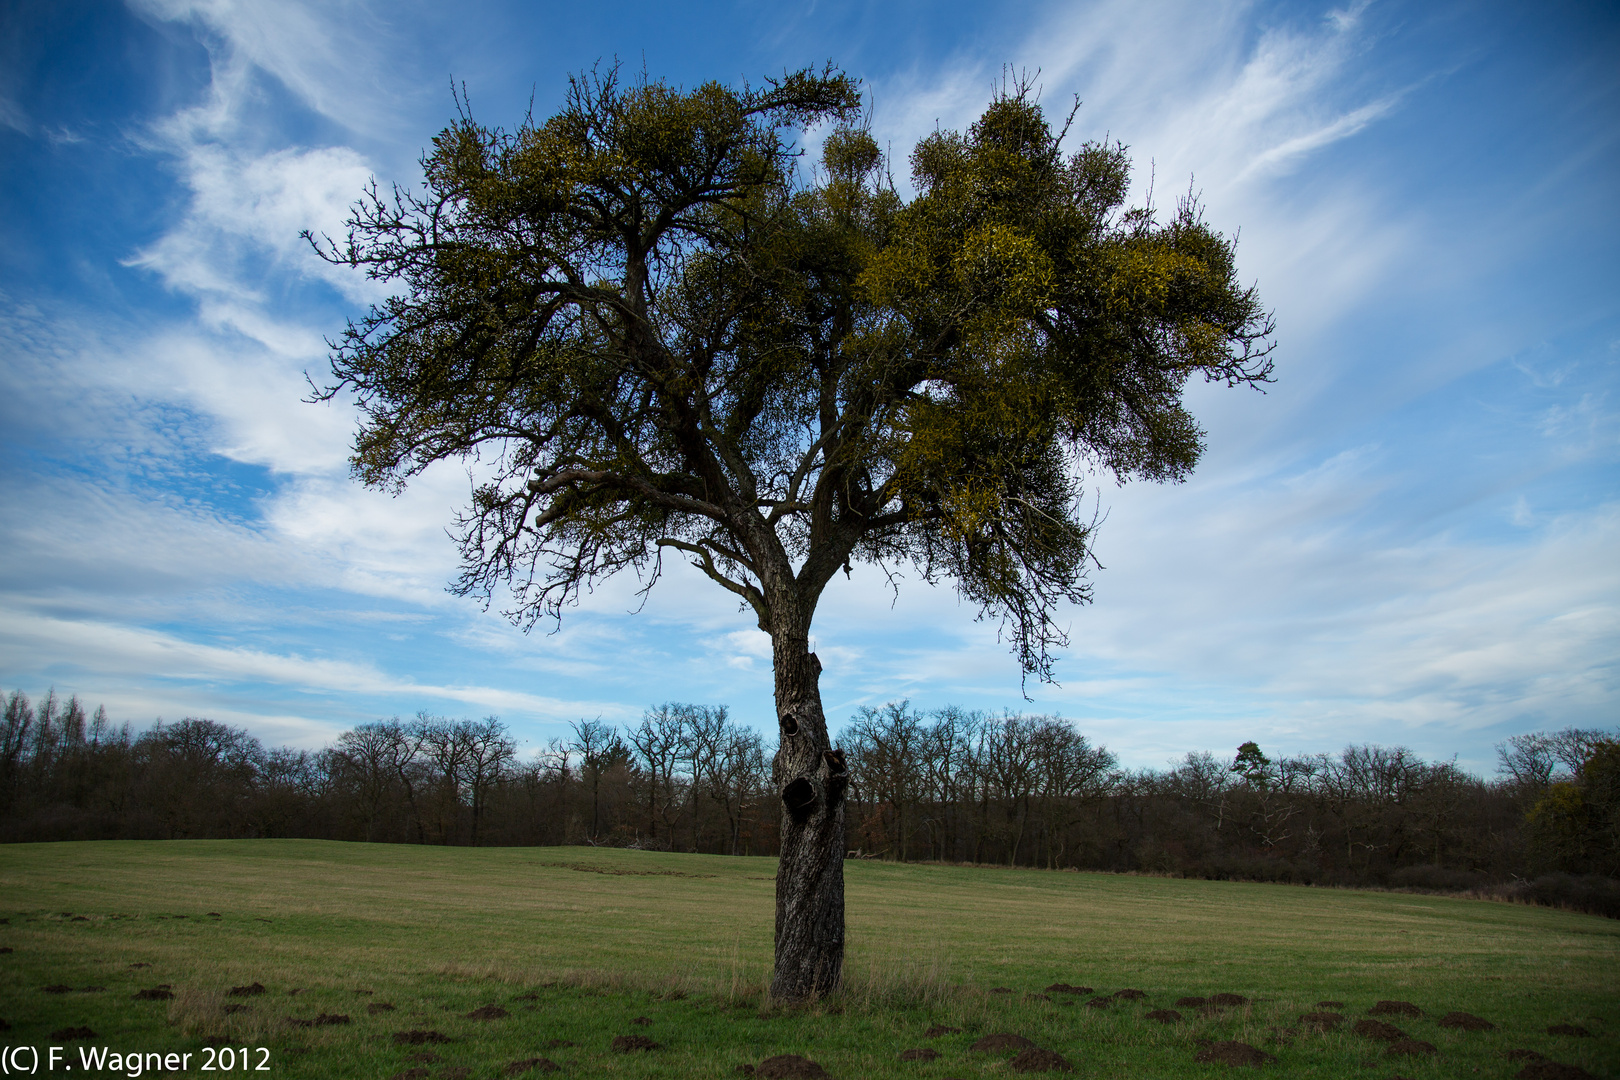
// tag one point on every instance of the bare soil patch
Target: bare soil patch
(1100, 1002)
(1038, 1060)
(1165, 1016)
(1000, 990)
(1552, 1070)
(1002, 1040)
(922, 1053)
(232, 1010)
(1377, 1029)
(790, 1067)
(941, 1029)
(250, 990)
(1130, 995)
(518, 1068)
(1569, 1029)
(1394, 1008)
(140, 964)
(322, 1020)
(488, 1012)
(155, 993)
(1232, 1052)
(419, 1038)
(69, 1034)
(1411, 1048)
(1321, 1021)
(376, 1007)
(1466, 1022)
(630, 1044)
(1065, 988)
(1191, 1002)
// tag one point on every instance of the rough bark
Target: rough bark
(811, 780)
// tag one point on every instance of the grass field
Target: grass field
(576, 943)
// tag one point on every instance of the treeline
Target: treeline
(950, 785)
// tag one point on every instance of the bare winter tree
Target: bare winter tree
(658, 335)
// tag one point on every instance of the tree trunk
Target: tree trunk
(810, 779)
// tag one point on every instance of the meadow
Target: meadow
(496, 957)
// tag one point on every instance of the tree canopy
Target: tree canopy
(664, 333)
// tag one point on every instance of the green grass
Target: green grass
(600, 937)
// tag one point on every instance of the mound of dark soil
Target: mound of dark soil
(1037, 997)
(920, 1054)
(629, 1044)
(1552, 1070)
(790, 1067)
(518, 1068)
(1038, 1060)
(215, 914)
(1377, 1029)
(328, 1019)
(1466, 1022)
(1000, 990)
(532, 995)
(250, 990)
(66, 1034)
(1394, 1008)
(488, 1012)
(1065, 988)
(426, 1057)
(1330, 1004)
(376, 1007)
(419, 1038)
(140, 964)
(1100, 1002)
(231, 1010)
(5, 949)
(80, 918)
(1569, 1029)
(1191, 1002)
(559, 1044)
(1227, 1001)
(1130, 995)
(1233, 1053)
(156, 993)
(1411, 1048)
(941, 1029)
(56, 988)
(1003, 1040)
(4, 1026)
(1165, 1016)
(1321, 1021)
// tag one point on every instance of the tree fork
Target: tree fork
(811, 779)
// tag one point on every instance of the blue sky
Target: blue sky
(1413, 537)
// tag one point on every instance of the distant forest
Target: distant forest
(951, 786)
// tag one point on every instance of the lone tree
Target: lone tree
(656, 332)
